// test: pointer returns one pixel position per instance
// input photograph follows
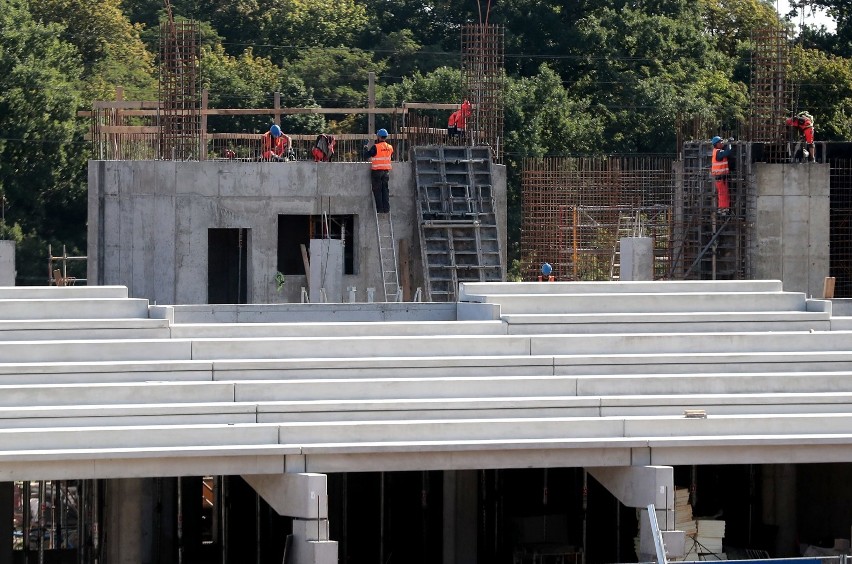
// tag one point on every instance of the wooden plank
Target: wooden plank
(126, 104)
(307, 264)
(128, 129)
(828, 288)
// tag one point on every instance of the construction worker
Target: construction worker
(804, 122)
(380, 166)
(720, 171)
(458, 119)
(275, 145)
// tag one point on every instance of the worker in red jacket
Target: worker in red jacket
(804, 122)
(458, 119)
(275, 146)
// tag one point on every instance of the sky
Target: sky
(813, 16)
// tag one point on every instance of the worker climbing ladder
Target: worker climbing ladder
(387, 257)
(459, 234)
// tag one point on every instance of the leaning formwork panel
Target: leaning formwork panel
(459, 233)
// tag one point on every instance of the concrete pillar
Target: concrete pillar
(637, 258)
(7, 263)
(7, 500)
(303, 496)
(779, 507)
(326, 270)
(460, 496)
(641, 486)
(128, 514)
(790, 239)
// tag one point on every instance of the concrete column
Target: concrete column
(128, 514)
(460, 497)
(637, 258)
(7, 263)
(641, 486)
(326, 270)
(7, 500)
(304, 496)
(779, 506)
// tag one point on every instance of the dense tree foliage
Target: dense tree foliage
(582, 77)
(42, 157)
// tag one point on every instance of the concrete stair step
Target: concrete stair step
(643, 302)
(629, 287)
(72, 308)
(104, 372)
(525, 324)
(346, 329)
(61, 292)
(62, 329)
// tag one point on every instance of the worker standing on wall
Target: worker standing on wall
(380, 166)
(720, 171)
(804, 122)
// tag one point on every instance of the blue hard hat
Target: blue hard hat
(546, 269)
(715, 140)
(275, 131)
(382, 132)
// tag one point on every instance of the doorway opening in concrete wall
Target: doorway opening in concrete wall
(227, 270)
(297, 230)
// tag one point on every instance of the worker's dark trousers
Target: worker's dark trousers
(381, 193)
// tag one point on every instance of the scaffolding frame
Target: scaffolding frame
(575, 207)
(483, 72)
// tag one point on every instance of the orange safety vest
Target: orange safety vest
(382, 160)
(717, 167)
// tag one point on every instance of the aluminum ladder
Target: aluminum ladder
(387, 256)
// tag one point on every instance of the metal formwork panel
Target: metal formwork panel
(459, 232)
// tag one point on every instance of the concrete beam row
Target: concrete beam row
(427, 345)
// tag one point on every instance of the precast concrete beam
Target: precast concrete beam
(300, 495)
(638, 486)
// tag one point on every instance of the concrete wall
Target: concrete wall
(7, 263)
(149, 221)
(790, 227)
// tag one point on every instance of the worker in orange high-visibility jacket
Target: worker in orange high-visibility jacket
(380, 166)
(720, 171)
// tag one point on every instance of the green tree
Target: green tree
(337, 76)
(248, 81)
(41, 152)
(826, 91)
(110, 46)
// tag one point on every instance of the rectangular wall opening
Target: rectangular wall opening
(227, 266)
(297, 230)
